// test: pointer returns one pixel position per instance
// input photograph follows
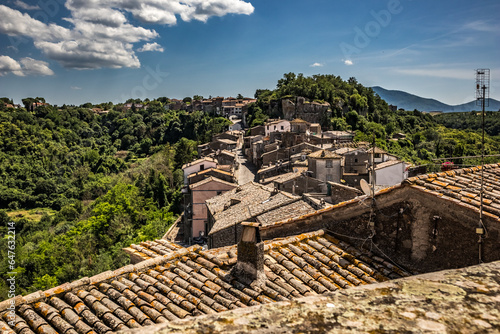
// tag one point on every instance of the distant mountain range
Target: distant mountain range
(409, 101)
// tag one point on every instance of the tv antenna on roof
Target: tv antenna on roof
(482, 99)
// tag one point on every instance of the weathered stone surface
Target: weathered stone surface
(452, 301)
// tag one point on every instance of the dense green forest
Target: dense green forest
(82, 186)
(471, 121)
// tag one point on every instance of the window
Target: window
(329, 177)
(377, 155)
(282, 128)
(219, 192)
(356, 160)
(202, 167)
(329, 163)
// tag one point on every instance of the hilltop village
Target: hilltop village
(291, 210)
(278, 212)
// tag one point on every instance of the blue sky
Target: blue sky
(77, 51)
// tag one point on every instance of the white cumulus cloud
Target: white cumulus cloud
(101, 34)
(25, 66)
(348, 62)
(316, 65)
(151, 47)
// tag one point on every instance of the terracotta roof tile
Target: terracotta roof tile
(191, 282)
(464, 185)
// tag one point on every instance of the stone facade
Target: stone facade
(325, 166)
(341, 193)
(312, 112)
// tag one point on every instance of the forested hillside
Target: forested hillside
(471, 121)
(81, 186)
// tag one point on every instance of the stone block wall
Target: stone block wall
(226, 237)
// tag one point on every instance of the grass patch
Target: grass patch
(33, 214)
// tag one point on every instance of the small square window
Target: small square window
(329, 163)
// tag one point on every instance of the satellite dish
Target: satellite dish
(366, 188)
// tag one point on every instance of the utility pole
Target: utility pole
(482, 90)
(373, 170)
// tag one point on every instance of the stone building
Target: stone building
(300, 107)
(325, 165)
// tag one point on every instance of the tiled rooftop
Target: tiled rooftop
(226, 152)
(245, 192)
(280, 178)
(294, 209)
(198, 162)
(208, 180)
(252, 200)
(214, 171)
(463, 186)
(191, 282)
(324, 154)
(227, 141)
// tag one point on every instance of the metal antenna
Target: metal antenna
(482, 98)
(373, 171)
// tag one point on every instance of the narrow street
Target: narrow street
(247, 171)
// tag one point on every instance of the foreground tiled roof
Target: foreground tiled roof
(453, 301)
(192, 282)
(463, 187)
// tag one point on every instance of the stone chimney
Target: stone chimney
(250, 265)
